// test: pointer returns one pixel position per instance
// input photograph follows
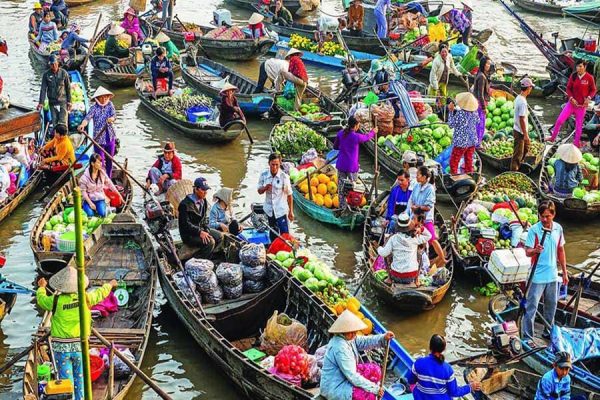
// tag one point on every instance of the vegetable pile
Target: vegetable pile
(499, 114)
(303, 43)
(100, 47)
(502, 147)
(586, 192)
(78, 111)
(488, 290)
(294, 138)
(177, 105)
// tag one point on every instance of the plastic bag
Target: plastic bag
(437, 32)
(232, 292)
(207, 284)
(229, 274)
(254, 273)
(213, 296)
(182, 284)
(320, 355)
(253, 254)
(121, 369)
(294, 380)
(281, 331)
(199, 270)
(314, 371)
(252, 286)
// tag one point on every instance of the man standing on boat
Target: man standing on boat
(56, 85)
(275, 70)
(441, 68)
(520, 128)
(167, 13)
(356, 17)
(279, 203)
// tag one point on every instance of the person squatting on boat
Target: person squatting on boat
(567, 171)
(165, 171)
(221, 217)
(161, 68)
(94, 183)
(229, 108)
(59, 151)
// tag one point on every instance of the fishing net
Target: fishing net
(252, 286)
(253, 255)
(252, 273)
(281, 331)
(229, 274)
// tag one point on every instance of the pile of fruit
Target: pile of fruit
(294, 138)
(499, 114)
(303, 43)
(323, 188)
(292, 360)
(590, 165)
(501, 146)
(100, 47)
(53, 47)
(310, 112)
(177, 105)
(78, 111)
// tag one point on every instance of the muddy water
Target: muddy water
(173, 358)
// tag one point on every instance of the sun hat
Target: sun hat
(467, 102)
(255, 18)
(115, 30)
(569, 153)
(526, 82)
(402, 222)
(445, 9)
(347, 322)
(228, 86)
(162, 38)
(130, 11)
(169, 146)
(409, 157)
(292, 51)
(563, 359)
(37, 6)
(102, 91)
(201, 183)
(467, 3)
(65, 280)
(224, 194)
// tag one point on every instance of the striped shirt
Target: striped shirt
(435, 380)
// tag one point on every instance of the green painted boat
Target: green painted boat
(328, 216)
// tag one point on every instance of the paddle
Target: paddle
(87, 56)
(384, 367)
(530, 279)
(512, 208)
(22, 354)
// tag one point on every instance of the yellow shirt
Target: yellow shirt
(65, 154)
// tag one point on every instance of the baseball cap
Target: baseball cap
(563, 359)
(409, 157)
(526, 82)
(201, 183)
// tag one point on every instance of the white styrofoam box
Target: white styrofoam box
(509, 265)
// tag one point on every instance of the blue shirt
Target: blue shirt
(550, 387)
(382, 5)
(423, 195)
(565, 180)
(464, 124)
(546, 270)
(397, 197)
(217, 216)
(435, 380)
(71, 39)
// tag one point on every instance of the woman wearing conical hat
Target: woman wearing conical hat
(567, 172)
(165, 41)
(229, 108)
(65, 324)
(339, 375)
(103, 113)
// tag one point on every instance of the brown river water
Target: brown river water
(173, 359)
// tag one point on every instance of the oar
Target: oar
(87, 56)
(22, 354)
(530, 279)
(516, 214)
(384, 367)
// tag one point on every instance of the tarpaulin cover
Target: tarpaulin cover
(582, 344)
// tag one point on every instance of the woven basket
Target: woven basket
(177, 192)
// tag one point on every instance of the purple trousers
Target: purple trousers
(110, 149)
(481, 124)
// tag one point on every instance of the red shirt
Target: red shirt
(297, 68)
(175, 165)
(580, 88)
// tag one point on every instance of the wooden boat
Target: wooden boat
(8, 293)
(111, 70)
(586, 10)
(570, 207)
(203, 73)
(585, 374)
(336, 113)
(589, 301)
(50, 262)
(233, 50)
(475, 264)
(77, 3)
(71, 64)
(402, 297)
(123, 250)
(367, 43)
(209, 131)
(541, 7)
(292, 5)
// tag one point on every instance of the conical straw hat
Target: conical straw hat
(102, 91)
(226, 87)
(466, 101)
(569, 153)
(116, 30)
(347, 322)
(255, 18)
(162, 38)
(65, 280)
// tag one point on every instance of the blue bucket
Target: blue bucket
(197, 114)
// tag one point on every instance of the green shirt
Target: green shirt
(65, 321)
(171, 49)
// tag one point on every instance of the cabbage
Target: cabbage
(312, 284)
(48, 226)
(55, 219)
(59, 228)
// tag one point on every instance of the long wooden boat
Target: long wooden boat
(579, 209)
(233, 50)
(585, 374)
(335, 111)
(474, 264)
(202, 74)
(50, 262)
(292, 5)
(76, 3)
(123, 250)
(207, 131)
(8, 294)
(403, 297)
(366, 43)
(541, 7)
(42, 57)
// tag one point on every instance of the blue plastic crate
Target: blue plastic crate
(255, 236)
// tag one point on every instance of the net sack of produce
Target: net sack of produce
(229, 274)
(121, 369)
(372, 372)
(254, 273)
(207, 283)
(309, 156)
(292, 360)
(233, 292)
(383, 112)
(253, 255)
(213, 296)
(385, 128)
(187, 289)
(281, 331)
(254, 286)
(198, 269)
(399, 125)
(215, 33)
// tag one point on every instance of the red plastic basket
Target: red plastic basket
(96, 367)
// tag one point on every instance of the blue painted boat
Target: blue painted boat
(8, 294)
(282, 47)
(205, 75)
(583, 373)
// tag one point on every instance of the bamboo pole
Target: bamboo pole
(84, 321)
(111, 370)
(87, 56)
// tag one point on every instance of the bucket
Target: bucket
(589, 45)
(162, 85)
(198, 113)
(189, 36)
(397, 389)
(96, 367)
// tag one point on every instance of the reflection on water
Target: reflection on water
(172, 358)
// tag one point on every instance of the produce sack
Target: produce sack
(254, 273)
(292, 361)
(213, 296)
(252, 286)
(215, 33)
(120, 368)
(281, 331)
(385, 128)
(207, 284)
(199, 270)
(314, 371)
(469, 61)
(232, 292)
(383, 112)
(253, 255)
(372, 372)
(229, 274)
(399, 125)
(182, 284)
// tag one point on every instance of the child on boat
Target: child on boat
(48, 32)
(131, 24)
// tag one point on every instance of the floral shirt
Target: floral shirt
(464, 124)
(100, 114)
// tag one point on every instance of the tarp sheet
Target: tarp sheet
(582, 344)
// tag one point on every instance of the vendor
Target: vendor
(161, 67)
(356, 17)
(220, 217)
(35, 19)
(441, 68)
(468, 13)
(339, 375)
(61, 147)
(131, 24)
(73, 40)
(256, 26)
(567, 171)
(299, 76)
(112, 47)
(481, 90)
(279, 203)
(229, 108)
(464, 122)
(409, 163)
(404, 245)
(166, 170)
(93, 183)
(48, 32)
(166, 42)
(556, 383)
(399, 195)
(281, 15)
(276, 71)
(592, 129)
(65, 324)
(193, 221)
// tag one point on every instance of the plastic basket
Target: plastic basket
(66, 242)
(199, 113)
(96, 366)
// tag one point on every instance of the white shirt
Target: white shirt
(275, 69)
(404, 249)
(521, 111)
(276, 199)
(4, 183)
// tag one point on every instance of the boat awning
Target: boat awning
(582, 344)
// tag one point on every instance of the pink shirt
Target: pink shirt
(94, 189)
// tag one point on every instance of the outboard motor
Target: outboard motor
(505, 339)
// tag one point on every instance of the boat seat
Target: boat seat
(226, 305)
(133, 278)
(594, 310)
